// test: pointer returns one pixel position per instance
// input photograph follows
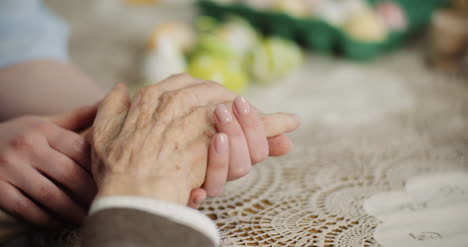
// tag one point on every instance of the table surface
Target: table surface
(367, 128)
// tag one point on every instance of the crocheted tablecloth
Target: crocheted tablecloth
(367, 129)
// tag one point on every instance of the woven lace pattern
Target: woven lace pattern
(367, 129)
(314, 196)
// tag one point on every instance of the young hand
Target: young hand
(43, 168)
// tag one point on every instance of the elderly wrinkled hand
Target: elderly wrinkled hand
(158, 145)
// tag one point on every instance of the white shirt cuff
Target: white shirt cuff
(177, 213)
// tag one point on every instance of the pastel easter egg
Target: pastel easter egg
(366, 27)
(393, 16)
(181, 34)
(274, 59)
(217, 69)
(291, 7)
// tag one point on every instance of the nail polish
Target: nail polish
(296, 117)
(198, 200)
(223, 114)
(242, 106)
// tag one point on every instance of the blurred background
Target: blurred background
(346, 60)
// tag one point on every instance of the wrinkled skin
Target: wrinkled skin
(158, 145)
(45, 175)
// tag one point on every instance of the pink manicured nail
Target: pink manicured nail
(198, 200)
(222, 114)
(242, 106)
(297, 117)
(221, 144)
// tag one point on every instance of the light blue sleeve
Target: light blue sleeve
(29, 31)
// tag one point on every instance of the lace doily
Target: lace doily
(314, 197)
(432, 211)
(367, 129)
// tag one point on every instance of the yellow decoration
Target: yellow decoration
(292, 7)
(179, 33)
(366, 26)
(211, 68)
(274, 59)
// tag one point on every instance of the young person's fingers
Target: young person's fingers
(111, 114)
(197, 196)
(279, 145)
(65, 171)
(77, 119)
(274, 124)
(279, 123)
(17, 204)
(218, 165)
(70, 144)
(43, 191)
(239, 155)
(252, 126)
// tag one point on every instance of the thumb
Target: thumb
(77, 119)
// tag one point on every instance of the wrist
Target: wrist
(164, 189)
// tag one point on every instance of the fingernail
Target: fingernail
(221, 144)
(197, 201)
(297, 117)
(222, 114)
(242, 106)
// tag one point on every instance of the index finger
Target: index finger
(280, 123)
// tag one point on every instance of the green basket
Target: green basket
(420, 14)
(319, 35)
(358, 50)
(212, 9)
(251, 15)
(281, 25)
(394, 40)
